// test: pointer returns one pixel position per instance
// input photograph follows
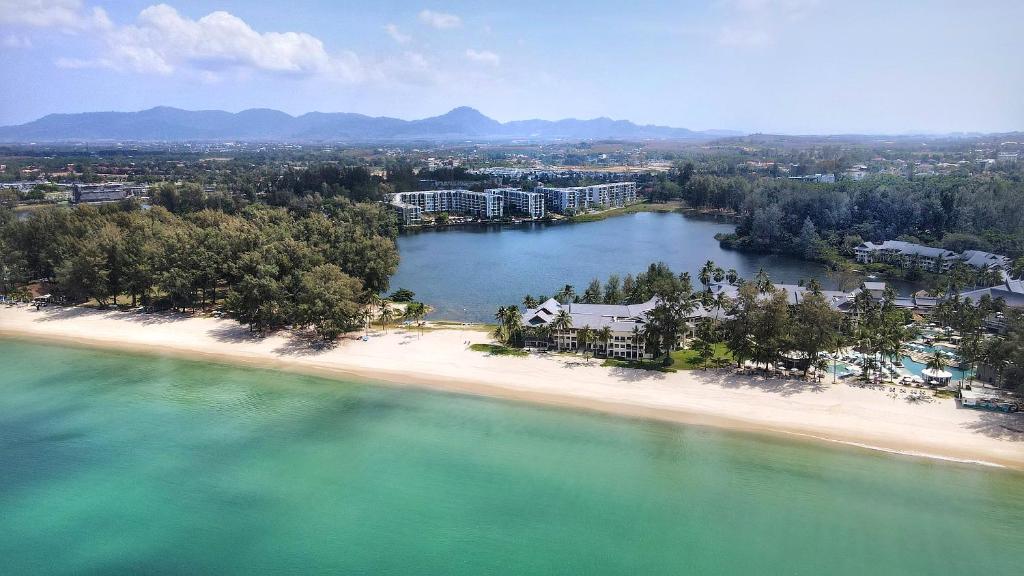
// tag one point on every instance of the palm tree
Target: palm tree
(763, 282)
(365, 315)
(706, 273)
(529, 301)
(936, 362)
(387, 316)
(510, 326)
(584, 336)
(604, 334)
(637, 337)
(566, 294)
(562, 323)
(732, 276)
(384, 305)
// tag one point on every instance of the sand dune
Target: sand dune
(441, 358)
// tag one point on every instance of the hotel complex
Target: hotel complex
(494, 203)
(578, 198)
(908, 254)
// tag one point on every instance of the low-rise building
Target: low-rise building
(107, 192)
(907, 255)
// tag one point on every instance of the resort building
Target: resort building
(979, 259)
(1011, 291)
(107, 192)
(522, 202)
(577, 198)
(486, 205)
(620, 319)
(908, 254)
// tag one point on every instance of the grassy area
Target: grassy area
(631, 209)
(498, 350)
(689, 360)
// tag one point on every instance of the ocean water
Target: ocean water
(115, 463)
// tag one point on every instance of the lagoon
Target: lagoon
(120, 463)
(466, 273)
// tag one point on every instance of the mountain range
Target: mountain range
(162, 124)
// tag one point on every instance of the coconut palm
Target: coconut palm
(706, 273)
(566, 294)
(732, 276)
(387, 316)
(584, 337)
(763, 282)
(529, 301)
(365, 315)
(636, 338)
(936, 362)
(604, 334)
(562, 323)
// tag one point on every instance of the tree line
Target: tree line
(266, 266)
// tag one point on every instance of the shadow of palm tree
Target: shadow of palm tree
(998, 425)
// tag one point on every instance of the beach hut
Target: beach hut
(937, 376)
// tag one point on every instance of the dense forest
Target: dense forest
(824, 221)
(267, 266)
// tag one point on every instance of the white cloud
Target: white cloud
(440, 19)
(67, 15)
(16, 41)
(161, 41)
(397, 34)
(483, 56)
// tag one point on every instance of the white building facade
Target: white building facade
(577, 198)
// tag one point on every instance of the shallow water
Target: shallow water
(116, 463)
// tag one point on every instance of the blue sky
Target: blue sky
(787, 66)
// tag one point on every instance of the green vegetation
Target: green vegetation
(498, 350)
(637, 364)
(268, 267)
(691, 358)
(631, 209)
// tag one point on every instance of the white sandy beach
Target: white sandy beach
(441, 359)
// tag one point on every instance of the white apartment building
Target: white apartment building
(487, 204)
(522, 202)
(578, 198)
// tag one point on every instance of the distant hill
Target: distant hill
(172, 124)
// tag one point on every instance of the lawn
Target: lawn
(498, 350)
(688, 359)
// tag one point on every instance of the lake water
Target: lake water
(121, 464)
(466, 273)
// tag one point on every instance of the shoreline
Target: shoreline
(440, 360)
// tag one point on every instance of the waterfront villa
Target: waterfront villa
(577, 198)
(938, 260)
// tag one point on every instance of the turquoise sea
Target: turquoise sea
(115, 463)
